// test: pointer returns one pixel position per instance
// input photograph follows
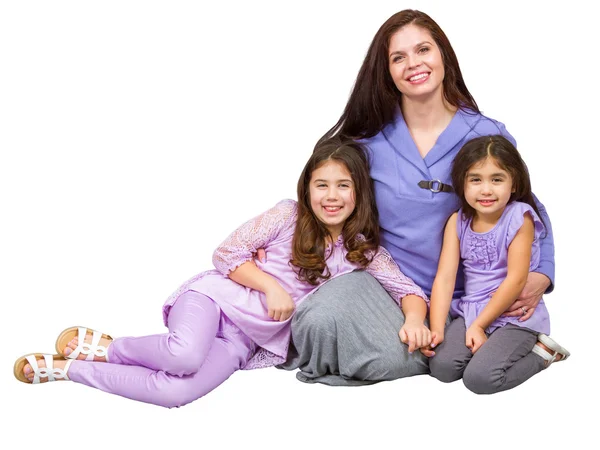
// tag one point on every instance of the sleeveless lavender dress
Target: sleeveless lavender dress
(484, 257)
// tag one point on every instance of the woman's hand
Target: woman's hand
(530, 297)
(280, 304)
(475, 338)
(415, 334)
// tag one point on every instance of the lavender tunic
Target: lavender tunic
(485, 261)
(247, 308)
(413, 219)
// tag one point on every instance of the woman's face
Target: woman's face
(415, 63)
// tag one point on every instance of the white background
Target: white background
(135, 136)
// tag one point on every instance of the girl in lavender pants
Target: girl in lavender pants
(238, 316)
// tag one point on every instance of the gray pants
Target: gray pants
(503, 362)
(346, 333)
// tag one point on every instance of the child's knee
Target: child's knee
(174, 398)
(479, 380)
(184, 358)
(444, 368)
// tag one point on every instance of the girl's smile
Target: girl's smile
(488, 188)
(332, 196)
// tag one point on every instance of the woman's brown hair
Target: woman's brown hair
(361, 230)
(374, 98)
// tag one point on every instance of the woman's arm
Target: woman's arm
(536, 284)
(546, 266)
(542, 280)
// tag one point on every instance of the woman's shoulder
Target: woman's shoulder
(482, 123)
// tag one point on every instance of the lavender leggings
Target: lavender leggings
(200, 351)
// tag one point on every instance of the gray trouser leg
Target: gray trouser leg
(346, 333)
(452, 355)
(504, 361)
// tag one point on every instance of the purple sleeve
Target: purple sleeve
(386, 271)
(546, 266)
(241, 245)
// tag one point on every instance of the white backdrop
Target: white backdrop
(135, 136)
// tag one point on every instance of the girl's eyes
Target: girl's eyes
(423, 49)
(343, 185)
(494, 180)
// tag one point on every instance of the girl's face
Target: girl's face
(332, 196)
(415, 62)
(488, 188)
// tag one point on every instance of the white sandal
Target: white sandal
(50, 372)
(89, 349)
(552, 345)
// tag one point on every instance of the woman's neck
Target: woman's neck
(429, 115)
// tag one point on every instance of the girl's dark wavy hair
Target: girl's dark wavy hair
(310, 237)
(506, 157)
(375, 97)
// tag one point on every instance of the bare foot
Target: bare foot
(58, 364)
(72, 345)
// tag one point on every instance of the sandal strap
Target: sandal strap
(50, 372)
(547, 356)
(553, 345)
(90, 350)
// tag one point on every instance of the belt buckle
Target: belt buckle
(438, 185)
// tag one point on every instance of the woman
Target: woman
(411, 108)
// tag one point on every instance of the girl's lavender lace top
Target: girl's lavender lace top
(246, 308)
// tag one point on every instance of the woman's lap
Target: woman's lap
(346, 333)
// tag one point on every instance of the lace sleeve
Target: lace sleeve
(241, 245)
(386, 271)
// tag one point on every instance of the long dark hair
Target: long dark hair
(374, 98)
(505, 155)
(308, 245)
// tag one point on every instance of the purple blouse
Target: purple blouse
(413, 219)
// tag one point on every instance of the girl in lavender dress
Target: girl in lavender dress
(238, 316)
(496, 236)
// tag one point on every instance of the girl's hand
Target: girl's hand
(475, 338)
(530, 297)
(437, 337)
(261, 255)
(415, 334)
(280, 304)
